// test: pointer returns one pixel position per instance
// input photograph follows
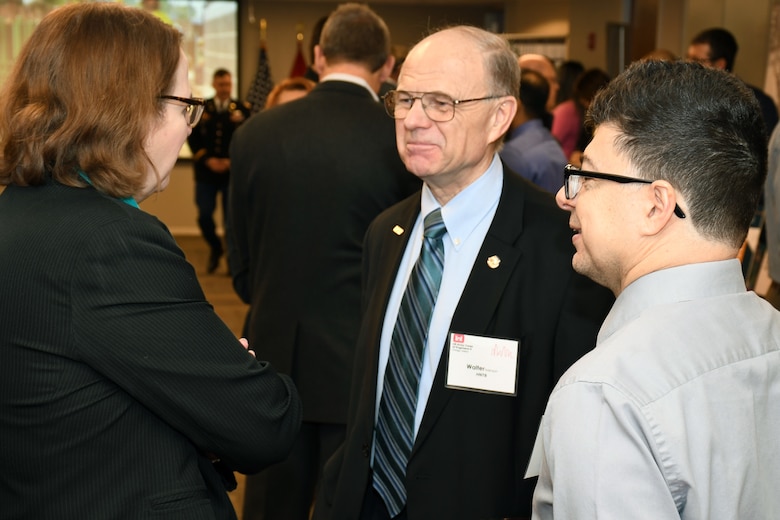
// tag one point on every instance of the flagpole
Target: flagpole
(262, 84)
(299, 63)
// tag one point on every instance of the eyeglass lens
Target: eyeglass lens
(193, 107)
(194, 112)
(572, 185)
(438, 107)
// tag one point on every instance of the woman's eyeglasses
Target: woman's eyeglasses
(194, 108)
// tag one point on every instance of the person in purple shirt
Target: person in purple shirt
(530, 149)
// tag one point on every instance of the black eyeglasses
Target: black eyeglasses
(701, 61)
(572, 182)
(437, 106)
(193, 110)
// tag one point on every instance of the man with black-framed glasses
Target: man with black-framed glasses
(717, 48)
(674, 414)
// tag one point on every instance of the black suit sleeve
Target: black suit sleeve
(238, 217)
(141, 319)
(584, 307)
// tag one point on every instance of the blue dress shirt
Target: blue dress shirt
(533, 152)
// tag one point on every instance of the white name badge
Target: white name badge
(482, 364)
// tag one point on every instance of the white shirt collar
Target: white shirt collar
(341, 76)
(468, 208)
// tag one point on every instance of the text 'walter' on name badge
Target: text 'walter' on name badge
(482, 364)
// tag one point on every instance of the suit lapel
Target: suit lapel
(483, 290)
(395, 231)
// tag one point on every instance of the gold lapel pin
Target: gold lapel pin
(493, 262)
(398, 230)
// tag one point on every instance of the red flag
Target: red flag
(299, 65)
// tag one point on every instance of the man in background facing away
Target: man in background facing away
(471, 309)
(675, 413)
(308, 178)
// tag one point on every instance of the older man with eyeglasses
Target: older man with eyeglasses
(471, 307)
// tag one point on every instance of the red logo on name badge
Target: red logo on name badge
(458, 338)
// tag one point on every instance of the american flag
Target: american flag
(262, 84)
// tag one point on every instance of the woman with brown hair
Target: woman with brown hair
(122, 394)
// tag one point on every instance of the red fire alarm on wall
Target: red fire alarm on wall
(591, 41)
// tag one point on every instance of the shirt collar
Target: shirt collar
(357, 80)
(130, 201)
(673, 285)
(468, 208)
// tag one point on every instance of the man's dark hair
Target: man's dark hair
(354, 33)
(534, 91)
(588, 84)
(698, 128)
(568, 72)
(220, 73)
(722, 45)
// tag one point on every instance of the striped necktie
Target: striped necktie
(395, 424)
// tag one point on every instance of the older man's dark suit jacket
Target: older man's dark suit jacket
(472, 449)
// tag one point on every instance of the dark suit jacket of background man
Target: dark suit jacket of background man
(472, 449)
(300, 207)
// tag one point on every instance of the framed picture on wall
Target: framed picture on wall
(554, 47)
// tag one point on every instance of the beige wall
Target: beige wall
(670, 33)
(588, 22)
(176, 205)
(548, 18)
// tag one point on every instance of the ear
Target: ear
(384, 72)
(720, 63)
(502, 117)
(660, 203)
(319, 59)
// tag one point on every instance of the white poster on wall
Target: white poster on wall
(772, 82)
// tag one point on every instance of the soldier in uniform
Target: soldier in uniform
(210, 142)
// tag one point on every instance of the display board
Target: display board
(209, 28)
